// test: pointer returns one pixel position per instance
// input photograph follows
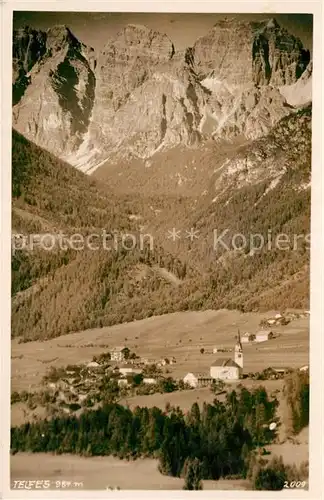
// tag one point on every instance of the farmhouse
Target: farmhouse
(247, 337)
(281, 370)
(129, 370)
(197, 379)
(117, 354)
(164, 362)
(93, 364)
(149, 380)
(122, 382)
(264, 335)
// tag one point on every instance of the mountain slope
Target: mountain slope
(62, 290)
(265, 186)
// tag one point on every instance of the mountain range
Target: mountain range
(139, 96)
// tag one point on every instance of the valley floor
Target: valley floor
(100, 473)
(180, 334)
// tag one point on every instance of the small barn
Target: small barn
(149, 380)
(122, 382)
(128, 369)
(93, 364)
(197, 379)
(264, 335)
(247, 337)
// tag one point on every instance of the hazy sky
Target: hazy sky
(95, 28)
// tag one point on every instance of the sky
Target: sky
(96, 28)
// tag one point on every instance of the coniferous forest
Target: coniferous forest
(221, 436)
(220, 440)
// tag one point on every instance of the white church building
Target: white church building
(229, 369)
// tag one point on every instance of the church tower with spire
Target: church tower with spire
(238, 351)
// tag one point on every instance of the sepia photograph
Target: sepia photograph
(161, 168)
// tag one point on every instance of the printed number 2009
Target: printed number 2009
(294, 484)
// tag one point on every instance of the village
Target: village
(119, 372)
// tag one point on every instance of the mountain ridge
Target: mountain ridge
(139, 95)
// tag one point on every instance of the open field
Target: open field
(181, 335)
(291, 453)
(99, 473)
(185, 399)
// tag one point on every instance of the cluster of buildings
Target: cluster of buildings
(260, 336)
(81, 382)
(117, 354)
(224, 368)
(284, 319)
(123, 372)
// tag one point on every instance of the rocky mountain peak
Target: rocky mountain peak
(140, 40)
(54, 100)
(244, 52)
(28, 47)
(126, 62)
(59, 37)
(272, 23)
(278, 57)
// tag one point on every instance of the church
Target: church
(229, 369)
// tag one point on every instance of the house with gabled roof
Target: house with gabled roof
(197, 379)
(117, 354)
(248, 337)
(263, 335)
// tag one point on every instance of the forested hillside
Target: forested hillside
(59, 291)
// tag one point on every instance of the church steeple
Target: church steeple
(238, 351)
(239, 343)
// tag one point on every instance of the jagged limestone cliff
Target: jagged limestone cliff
(140, 96)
